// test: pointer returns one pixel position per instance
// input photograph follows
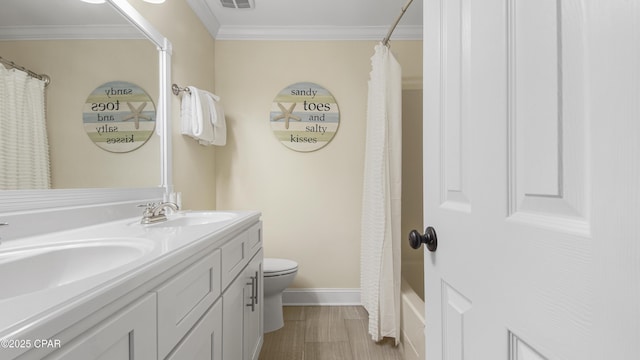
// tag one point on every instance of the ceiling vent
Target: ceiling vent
(238, 4)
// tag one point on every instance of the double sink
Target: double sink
(29, 266)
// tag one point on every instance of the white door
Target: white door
(532, 179)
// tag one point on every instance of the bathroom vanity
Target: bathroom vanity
(81, 277)
(186, 288)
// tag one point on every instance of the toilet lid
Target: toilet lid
(275, 267)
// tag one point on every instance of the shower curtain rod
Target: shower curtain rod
(385, 41)
(13, 65)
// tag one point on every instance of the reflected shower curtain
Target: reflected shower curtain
(24, 148)
(380, 226)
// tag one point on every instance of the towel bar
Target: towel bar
(176, 89)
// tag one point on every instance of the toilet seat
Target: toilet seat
(278, 267)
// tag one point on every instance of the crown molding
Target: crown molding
(236, 32)
(77, 32)
(316, 33)
(206, 16)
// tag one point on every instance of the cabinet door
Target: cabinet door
(233, 308)
(184, 299)
(204, 342)
(253, 295)
(130, 334)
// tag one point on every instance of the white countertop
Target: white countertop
(46, 312)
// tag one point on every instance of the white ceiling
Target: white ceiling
(62, 19)
(311, 19)
(56, 12)
(270, 19)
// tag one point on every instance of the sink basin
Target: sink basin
(30, 269)
(190, 218)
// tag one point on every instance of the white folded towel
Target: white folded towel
(202, 117)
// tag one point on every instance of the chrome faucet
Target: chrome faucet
(154, 213)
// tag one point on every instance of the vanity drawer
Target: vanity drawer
(234, 257)
(237, 253)
(254, 239)
(185, 298)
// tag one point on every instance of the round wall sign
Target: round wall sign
(119, 116)
(304, 116)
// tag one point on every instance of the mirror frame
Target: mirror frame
(32, 200)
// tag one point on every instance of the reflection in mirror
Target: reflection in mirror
(81, 46)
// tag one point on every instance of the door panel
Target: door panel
(520, 350)
(535, 93)
(454, 107)
(456, 306)
(548, 137)
(531, 173)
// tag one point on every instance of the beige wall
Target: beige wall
(76, 68)
(192, 64)
(311, 202)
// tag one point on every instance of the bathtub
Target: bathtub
(412, 314)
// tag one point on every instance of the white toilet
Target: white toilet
(278, 275)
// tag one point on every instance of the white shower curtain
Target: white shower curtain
(24, 148)
(380, 227)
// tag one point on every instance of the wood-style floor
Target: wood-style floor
(326, 333)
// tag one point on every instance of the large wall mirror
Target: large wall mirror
(81, 46)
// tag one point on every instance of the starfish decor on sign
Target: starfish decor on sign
(136, 114)
(287, 114)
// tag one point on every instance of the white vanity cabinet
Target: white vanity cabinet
(129, 334)
(185, 298)
(242, 302)
(232, 320)
(204, 342)
(253, 308)
(227, 329)
(196, 307)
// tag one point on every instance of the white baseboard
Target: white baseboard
(319, 296)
